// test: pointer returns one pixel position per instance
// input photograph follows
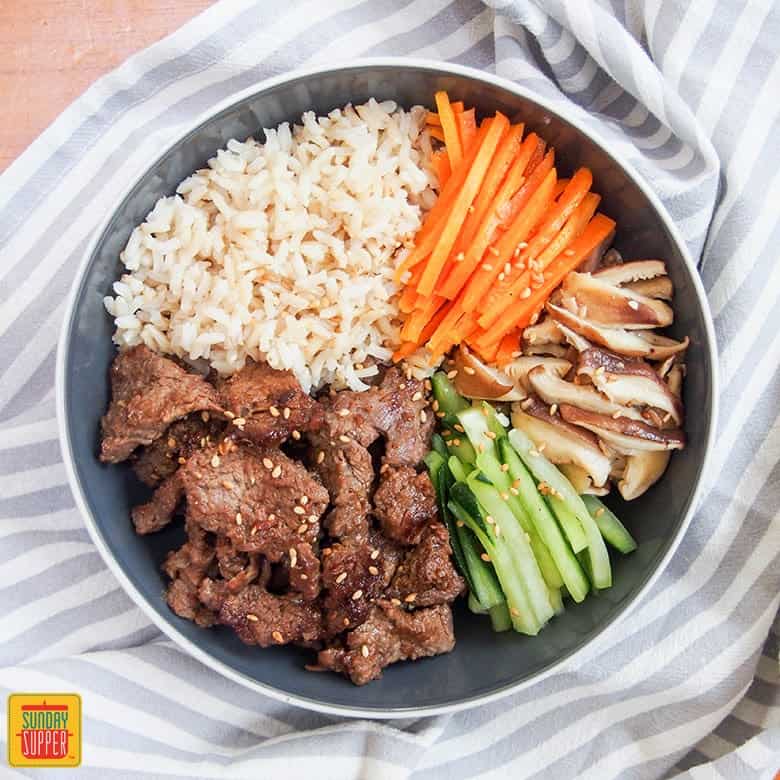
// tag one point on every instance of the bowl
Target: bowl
(484, 665)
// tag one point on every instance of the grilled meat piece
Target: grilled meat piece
(404, 503)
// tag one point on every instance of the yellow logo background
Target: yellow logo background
(27, 749)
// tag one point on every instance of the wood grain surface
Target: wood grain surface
(52, 50)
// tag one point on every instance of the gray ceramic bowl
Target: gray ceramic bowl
(484, 665)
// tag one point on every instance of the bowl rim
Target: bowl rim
(566, 113)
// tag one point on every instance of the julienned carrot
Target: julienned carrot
(440, 340)
(467, 128)
(462, 270)
(437, 133)
(560, 186)
(461, 204)
(500, 298)
(503, 251)
(598, 230)
(420, 317)
(457, 107)
(440, 163)
(508, 348)
(432, 118)
(537, 170)
(408, 299)
(436, 218)
(496, 173)
(403, 351)
(408, 347)
(449, 128)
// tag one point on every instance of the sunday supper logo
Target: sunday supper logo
(44, 729)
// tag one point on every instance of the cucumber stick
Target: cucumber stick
(613, 531)
(546, 526)
(562, 493)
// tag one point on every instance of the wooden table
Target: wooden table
(52, 50)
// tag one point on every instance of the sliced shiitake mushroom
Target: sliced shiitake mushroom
(581, 481)
(622, 434)
(544, 332)
(562, 442)
(661, 287)
(519, 369)
(632, 271)
(476, 379)
(642, 470)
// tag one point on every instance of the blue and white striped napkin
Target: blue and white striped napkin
(686, 686)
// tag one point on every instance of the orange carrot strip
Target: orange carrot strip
(467, 128)
(436, 218)
(432, 118)
(500, 299)
(406, 349)
(560, 186)
(408, 299)
(461, 204)
(472, 254)
(437, 133)
(419, 318)
(439, 339)
(598, 230)
(449, 127)
(509, 345)
(441, 165)
(496, 258)
(457, 107)
(538, 169)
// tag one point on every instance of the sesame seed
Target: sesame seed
(343, 412)
(471, 209)
(205, 416)
(293, 557)
(526, 293)
(485, 557)
(417, 396)
(396, 602)
(203, 442)
(182, 461)
(505, 467)
(423, 416)
(286, 412)
(313, 519)
(460, 257)
(494, 251)
(553, 409)
(634, 305)
(455, 442)
(252, 480)
(516, 483)
(171, 442)
(302, 528)
(373, 570)
(514, 491)
(599, 512)
(227, 484)
(514, 612)
(320, 456)
(542, 446)
(481, 447)
(230, 415)
(507, 268)
(326, 552)
(357, 594)
(618, 413)
(489, 520)
(296, 435)
(459, 428)
(469, 370)
(427, 385)
(239, 519)
(254, 530)
(215, 461)
(440, 414)
(523, 244)
(252, 618)
(490, 434)
(501, 276)
(525, 404)
(341, 577)
(411, 598)
(276, 473)
(299, 510)
(346, 621)
(364, 651)
(498, 530)
(435, 405)
(304, 500)
(452, 374)
(533, 453)
(268, 463)
(344, 439)
(487, 267)
(239, 422)
(274, 411)
(569, 252)
(460, 523)
(277, 637)
(504, 496)
(374, 554)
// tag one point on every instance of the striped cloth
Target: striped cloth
(688, 684)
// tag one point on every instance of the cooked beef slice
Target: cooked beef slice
(260, 617)
(161, 458)
(148, 393)
(404, 503)
(304, 571)
(268, 405)
(427, 575)
(355, 571)
(159, 510)
(186, 568)
(260, 499)
(347, 472)
(395, 410)
(390, 634)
